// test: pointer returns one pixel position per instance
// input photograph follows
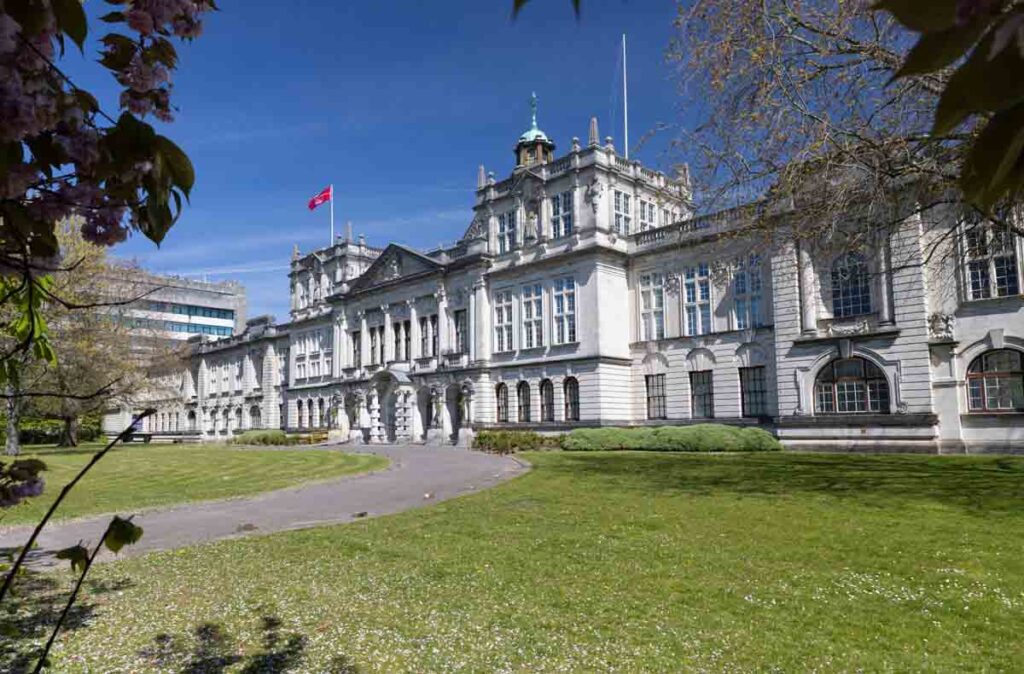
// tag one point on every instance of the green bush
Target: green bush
(507, 442)
(696, 438)
(270, 437)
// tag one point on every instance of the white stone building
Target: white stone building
(584, 293)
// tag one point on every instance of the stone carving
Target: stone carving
(592, 195)
(941, 326)
(844, 329)
(477, 229)
(672, 282)
(394, 268)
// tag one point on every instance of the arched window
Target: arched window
(851, 386)
(191, 420)
(995, 382)
(254, 417)
(309, 413)
(571, 388)
(501, 395)
(227, 421)
(851, 286)
(298, 407)
(523, 394)
(238, 418)
(547, 401)
(320, 413)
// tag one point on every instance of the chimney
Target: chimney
(593, 138)
(348, 232)
(481, 178)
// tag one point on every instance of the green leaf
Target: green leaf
(178, 162)
(77, 555)
(120, 533)
(995, 164)
(119, 52)
(939, 49)
(71, 18)
(113, 17)
(980, 85)
(921, 15)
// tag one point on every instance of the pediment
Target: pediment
(395, 263)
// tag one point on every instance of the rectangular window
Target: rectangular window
(652, 306)
(357, 349)
(374, 346)
(702, 394)
(993, 269)
(747, 292)
(408, 339)
(697, 299)
(433, 334)
(396, 335)
(503, 321)
(623, 212)
(460, 331)
(506, 231)
(647, 215)
(655, 396)
(533, 316)
(753, 391)
(562, 214)
(564, 310)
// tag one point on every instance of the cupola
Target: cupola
(534, 147)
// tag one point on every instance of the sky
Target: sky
(395, 103)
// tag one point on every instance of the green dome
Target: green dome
(534, 134)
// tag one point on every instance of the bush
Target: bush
(271, 437)
(697, 438)
(507, 442)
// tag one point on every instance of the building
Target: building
(584, 292)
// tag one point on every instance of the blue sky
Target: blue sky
(396, 103)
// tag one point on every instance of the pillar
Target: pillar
(376, 430)
(442, 321)
(885, 313)
(364, 340)
(808, 305)
(414, 328)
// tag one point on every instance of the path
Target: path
(414, 473)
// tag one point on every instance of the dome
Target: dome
(534, 134)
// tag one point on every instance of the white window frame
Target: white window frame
(747, 287)
(506, 231)
(648, 218)
(562, 214)
(532, 314)
(983, 259)
(698, 317)
(503, 321)
(563, 309)
(623, 207)
(652, 306)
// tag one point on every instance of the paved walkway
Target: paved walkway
(416, 477)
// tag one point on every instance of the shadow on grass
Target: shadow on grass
(210, 649)
(30, 612)
(976, 483)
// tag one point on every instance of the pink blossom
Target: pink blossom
(140, 21)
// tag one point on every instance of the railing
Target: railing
(560, 166)
(650, 236)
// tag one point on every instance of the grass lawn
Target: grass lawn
(604, 562)
(141, 476)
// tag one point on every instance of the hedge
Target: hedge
(696, 438)
(507, 442)
(270, 437)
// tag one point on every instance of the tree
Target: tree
(61, 155)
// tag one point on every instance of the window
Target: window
(561, 214)
(407, 332)
(652, 307)
(753, 391)
(851, 386)
(992, 268)
(747, 292)
(433, 335)
(506, 231)
(564, 310)
(309, 414)
(851, 286)
(523, 395)
(298, 408)
(503, 321)
(501, 396)
(655, 396)
(702, 394)
(571, 389)
(320, 413)
(375, 340)
(533, 316)
(647, 215)
(357, 349)
(460, 331)
(547, 401)
(623, 212)
(396, 333)
(697, 299)
(995, 382)
(424, 337)
(254, 417)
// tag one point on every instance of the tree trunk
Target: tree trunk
(13, 447)
(69, 436)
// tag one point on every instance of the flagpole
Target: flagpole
(625, 101)
(332, 215)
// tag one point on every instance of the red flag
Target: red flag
(326, 194)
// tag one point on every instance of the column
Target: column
(414, 328)
(400, 353)
(471, 327)
(442, 320)
(364, 340)
(388, 335)
(885, 313)
(376, 431)
(342, 349)
(482, 328)
(808, 303)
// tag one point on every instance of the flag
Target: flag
(326, 194)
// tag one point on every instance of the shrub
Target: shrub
(507, 442)
(696, 438)
(269, 437)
